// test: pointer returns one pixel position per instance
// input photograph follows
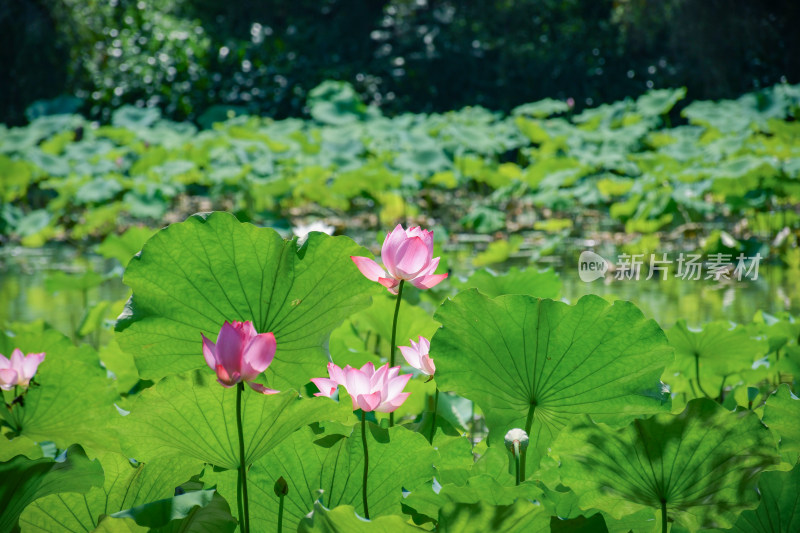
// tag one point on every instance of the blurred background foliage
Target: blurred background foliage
(196, 57)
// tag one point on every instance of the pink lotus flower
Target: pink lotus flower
(370, 390)
(417, 355)
(240, 354)
(407, 255)
(19, 369)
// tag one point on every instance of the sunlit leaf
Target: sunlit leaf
(701, 464)
(535, 364)
(193, 276)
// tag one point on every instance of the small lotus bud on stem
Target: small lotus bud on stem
(517, 442)
(281, 489)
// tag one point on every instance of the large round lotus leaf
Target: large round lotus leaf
(193, 276)
(520, 517)
(782, 415)
(701, 464)
(196, 417)
(329, 468)
(707, 356)
(779, 510)
(345, 518)
(535, 364)
(72, 397)
(126, 485)
(533, 282)
(26, 480)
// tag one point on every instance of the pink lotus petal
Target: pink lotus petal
(4, 362)
(356, 382)
(411, 355)
(390, 283)
(210, 352)
(411, 257)
(327, 387)
(393, 403)
(390, 244)
(428, 367)
(8, 378)
(258, 355)
(230, 343)
(336, 373)
(262, 389)
(368, 402)
(427, 282)
(31, 364)
(371, 270)
(396, 385)
(424, 345)
(17, 360)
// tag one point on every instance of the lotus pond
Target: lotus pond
(221, 374)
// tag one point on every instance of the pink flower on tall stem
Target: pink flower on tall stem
(19, 369)
(417, 356)
(407, 255)
(240, 354)
(370, 389)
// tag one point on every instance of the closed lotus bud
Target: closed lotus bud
(516, 437)
(281, 488)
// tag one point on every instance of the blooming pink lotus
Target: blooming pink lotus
(19, 369)
(370, 390)
(407, 255)
(240, 354)
(417, 356)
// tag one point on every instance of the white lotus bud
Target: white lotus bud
(516, 437)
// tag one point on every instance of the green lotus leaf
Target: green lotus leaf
(541, 284)
(26, 480)
(479, 488)
(345, 518)
(779, 510)
(781, 414)
(534, 364)
(520, 517)
(699, 465)
(193, 276)
(126, 485)
(329, 468)
(124, 247)
(196, 417)
(72, 396)
(707, 356)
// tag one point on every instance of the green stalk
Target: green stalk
(697, 373)
(663, 516)
(366, 464)
(516, 459)
(244, 508)
(392, 346)
(528, 425)
(435, 408)
(280, 514)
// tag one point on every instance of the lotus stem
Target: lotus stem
(697, 374)
(244, 509)
(516, 460)
(280, 513)
(435, 409)
(392, 346)
(663, 516)
(528, 426)
(366, 464)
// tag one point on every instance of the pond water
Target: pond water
(26, 295)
